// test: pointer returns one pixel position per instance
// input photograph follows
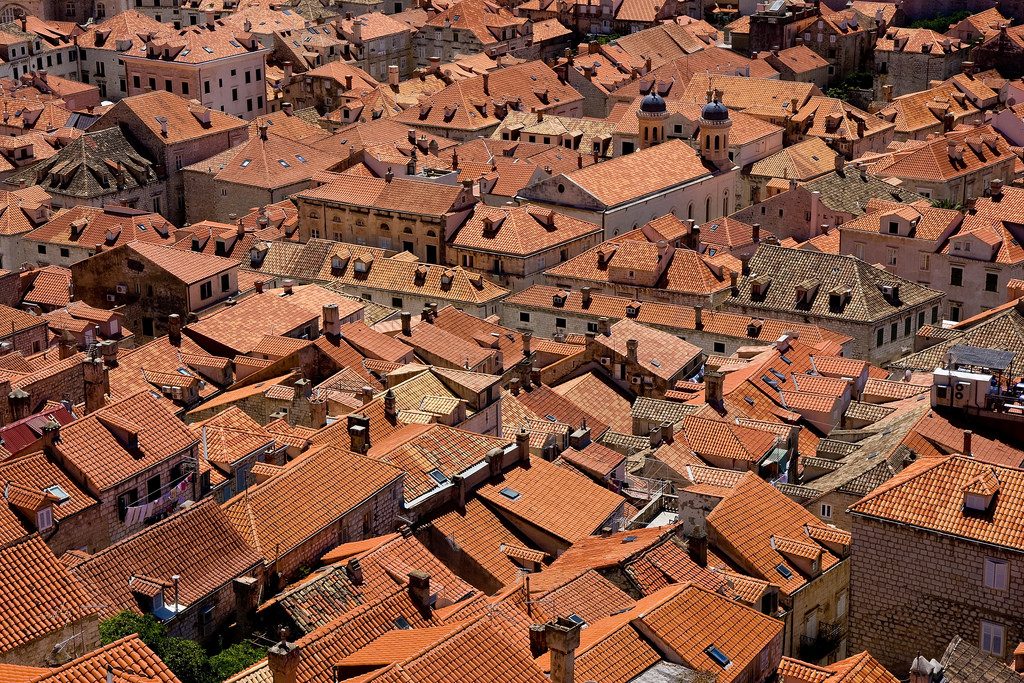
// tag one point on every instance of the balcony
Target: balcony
(816, 648)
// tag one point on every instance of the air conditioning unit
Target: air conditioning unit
(111, 298)
(122, 289)
(605, 360)
(176, 393)
(635, 380)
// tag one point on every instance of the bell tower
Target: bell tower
(714, 131)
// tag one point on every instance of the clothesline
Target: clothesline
(173, 497)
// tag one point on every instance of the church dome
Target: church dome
(714, 111)
(653, 103)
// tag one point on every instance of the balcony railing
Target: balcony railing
(815, 648)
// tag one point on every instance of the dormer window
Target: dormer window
(980, 492)
(894, 227)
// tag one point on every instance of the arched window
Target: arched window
(707, 141)
(725, 206)
(407, 231)
(431, 233)
(654, 134)
(11, 13)
(689, 210)
(101, 10)
(314, 214)
(707, 208)
(385, 227)
(645, 133)
(716, 142)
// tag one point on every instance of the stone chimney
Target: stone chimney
(604, 326)
(514, 386)
(562, 637)
(390, 410)
(666, 432)
(1018, 658)
(108, 350)
(358, 433)
(523, 446)
(406, 324)
(419, 589)
(288, 286)
(967, 442)
(698, 317)
(713, 387)
(283, 660)
(632, 346)
(331, 320)
(97, 384)
(697, 544)
(585, 297)
(527, 338)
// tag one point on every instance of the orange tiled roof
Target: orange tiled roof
(128, 654)
(313, 500)
(87, 226)
(185, 119)
(519, 230)
(529, 493)
(197, 543)
(95, 445)
(39, 595)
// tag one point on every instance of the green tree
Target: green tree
(188, 660)
(125, 623)
(234, 659)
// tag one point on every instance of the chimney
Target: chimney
(97, 384)
(366, 394)
(494, 460)
(258, 286)
(921, 670)
(108, 350)
(585, 298)
(697, 545)
(283, 659)
(354, 569)
(288, 284)
(538, 640)
(755, 232)
(967, 442)
(713, 388)
(562, 637)
(389, 176)
(513, 386)
(632, 345)
(603, 326)
(523, 446)
(348, 81)
(331, 320)
(358, 433)
(698, 317)
(286, 66)
(393, 76)
(535, 375)
(887, 93)
(996, 187)
(390, 409)
(734, 283)
(1018, 658)
(487, 83)
(527, 338)
(666, 432)
(419, 589)
(174, 329)
(406, 323)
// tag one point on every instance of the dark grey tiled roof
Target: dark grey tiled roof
(850, 191)
(95, 165)
(788, 268)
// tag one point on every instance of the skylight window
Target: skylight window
(284, 164)
(720, 658)
(57, 492)
(784, 571)
(246, 162)
(234, 43)
(141, 226)
(550, 418)
(778, 374)
(786, 360)
(655, 362)
(511, 494)
(300, 158)
(577, 619)
(208, 50)
(748, 400)
(438, 476)
(184, 53)
(403, 623)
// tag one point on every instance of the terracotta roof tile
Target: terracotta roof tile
(527, 493)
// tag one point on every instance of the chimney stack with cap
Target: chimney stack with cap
(527, 339)
(419, 589)
(713, 388)
(174, 329)
(406, 324)
(331, 320)
(283, 660)
(562, 637)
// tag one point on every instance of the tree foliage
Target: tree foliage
(941, 23)
(189, 661)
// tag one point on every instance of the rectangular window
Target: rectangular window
(234, 94)
(206, 87)
(924, 261)
(65, 253)
(956, 276)
(826, 511)
(41, 248)
(136, 83)
(841, 605)
(225, 282)
(890, 256)
(396, 302)
(879, 337)
(259, 74)
(893, 330)
(719, 347)
(152, 488)
(248, 76)
(125, 501)
(206, 290)
(524, 317)
(168, 85)
(152, 84)
(991, 282)
(907, 323)
(993, 637)
(935, 314)
(592, 327)
(560, 323)
(997, 574)
(920, 319)
(184, 87)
